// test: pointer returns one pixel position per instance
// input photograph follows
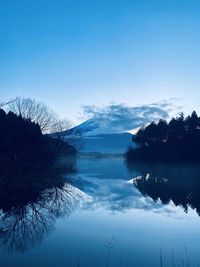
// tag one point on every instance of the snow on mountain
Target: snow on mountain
(98, 137)
(108, 127)
(89, 127)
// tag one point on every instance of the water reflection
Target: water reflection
(177, 183)
(30, 202)
(155, 187)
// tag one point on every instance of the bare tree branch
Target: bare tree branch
(6, 103)
(49, 122)
(37, 112)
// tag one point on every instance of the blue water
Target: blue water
(106, 214)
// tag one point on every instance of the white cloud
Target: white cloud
(117, 118)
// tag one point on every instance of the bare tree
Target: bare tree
(66, 139)
(62, 130)
(48, 120)
(37, 112)
(6, 103)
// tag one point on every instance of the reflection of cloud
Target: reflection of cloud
(121, 118)
(120, 196)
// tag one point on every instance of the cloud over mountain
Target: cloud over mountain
(119, 118)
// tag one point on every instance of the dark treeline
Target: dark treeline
(22, 139)
(33, 183)
(178, 140)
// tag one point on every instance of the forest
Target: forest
(176, 140)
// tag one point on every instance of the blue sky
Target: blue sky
(70, 53)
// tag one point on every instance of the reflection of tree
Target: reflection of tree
(26, 220)
(23, 227)
(180, 184)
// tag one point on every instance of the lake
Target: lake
(109, 214)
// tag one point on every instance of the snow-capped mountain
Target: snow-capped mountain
(97, 136)
(88, 128)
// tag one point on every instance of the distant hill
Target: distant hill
(107, 143)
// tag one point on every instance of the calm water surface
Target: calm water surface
(109, 215)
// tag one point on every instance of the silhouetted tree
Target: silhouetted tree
(63, 139)
(177, 140)
(22, 139)
(37, 112)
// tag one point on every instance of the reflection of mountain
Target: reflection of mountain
(107, 182)
(179, 184)
(30, 202)
(115, 195)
